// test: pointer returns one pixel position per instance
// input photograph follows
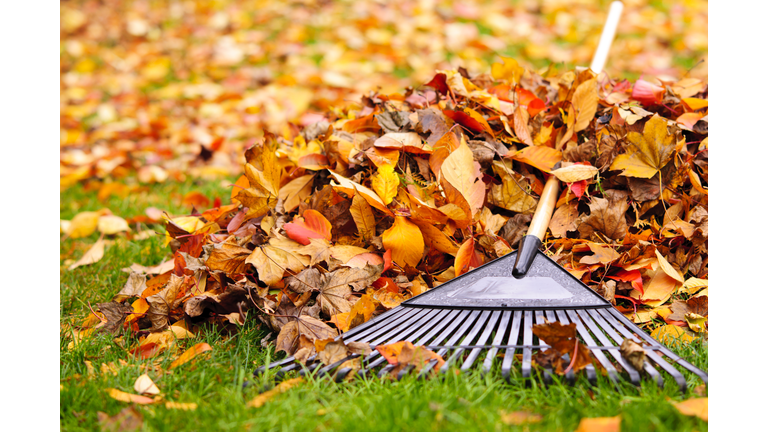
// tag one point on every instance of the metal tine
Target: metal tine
(466, 341)
(547, 372)
(501, 331)
(634, 375)
(666, 351)
(650, 353)
(591, 373)
(373, 322)
(373, 331)
(612, 373)
(435, 316)
(261, 369)
(308, 369)
(451, 325)
(647, 366)
(570, 376)
(466, 319)
(327, 369)
(527, 340)
(514, 336)
(475, 353)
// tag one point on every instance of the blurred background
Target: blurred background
(172, 89)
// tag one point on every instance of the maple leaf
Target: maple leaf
(563, 340)
(404, 353)
(649, 152)
(605, 217)
(304, 325)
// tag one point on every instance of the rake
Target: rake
(486, 315)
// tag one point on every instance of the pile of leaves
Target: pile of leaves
(337, 222)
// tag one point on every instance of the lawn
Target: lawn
(221, 383)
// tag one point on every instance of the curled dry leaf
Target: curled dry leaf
(128, 397)
(633, 353)
(92, 255)
(145, 386)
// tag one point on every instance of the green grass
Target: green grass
(217, 381)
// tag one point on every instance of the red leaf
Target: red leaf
(387, 260)
(465, 120)
(632, 276)
(313, 225)
(439, 83)
(578, 188)
(385, 282)
(647, 93)
(530, 101)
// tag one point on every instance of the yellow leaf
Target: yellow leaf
(128, 397)
(541, 157)
(295, 191)
(272, 262)
(111, 224)
(363, 217)
(667, 267)
(698, 407)
(185, 406)
(405, 240)
(671, 333)
(463, 173)
(583, 104)
(693, 285)
(510, 194)
(92, 255)
(190, 354)
(284, 386)
(575, 173)
(351, 188)
(83, 224)
(647, 153)
(385, 183)
(507, 70)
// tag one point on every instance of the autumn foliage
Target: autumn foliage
(331, 224)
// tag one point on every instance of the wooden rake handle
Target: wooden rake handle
(529, 245)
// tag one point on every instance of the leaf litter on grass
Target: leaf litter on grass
(344, 210)
(326, 265)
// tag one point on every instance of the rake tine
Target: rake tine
(609, 328)
(570, 376)
(466, 341)
(374, 333)
(404, 371)
(591, 373)
(509, 354)
(475, 353)
(666, 351)
(501, 330)
(374, 321)
(426, 369)
(612, 373)
(341, 374)
(650, 353)
(634, 376)
(527, 340)
(261, 369)
(327, 369)
(547, 372)
(309, 369)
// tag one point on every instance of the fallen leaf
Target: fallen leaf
(668, 334)
(463, 173)
(111, 224)
(283, 387)
(145, 386)
(517, 418)
(385, 183)
(313, 225)
(304, 325)
(184, 406)
(698, 407)
(405, 240)
(92, 255)
(128, 419)
(633, 353)
(647, 153)
(575, 173)
(128, 397)
(190, 354)
(599, 424)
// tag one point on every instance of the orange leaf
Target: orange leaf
(698, 407)
(196, 199)
(314, 225)
(405, 240)
(240, 184)
(600, 424)
(543, 158)
(467, 258)
(190, 354)
(128, 397)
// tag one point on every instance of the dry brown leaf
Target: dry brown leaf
(92, 255)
